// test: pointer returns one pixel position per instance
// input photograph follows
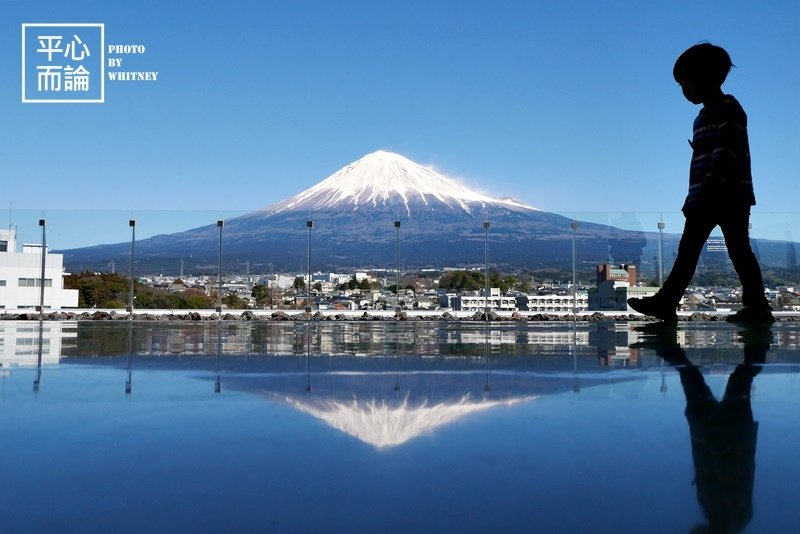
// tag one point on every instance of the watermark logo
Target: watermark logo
(63, 63)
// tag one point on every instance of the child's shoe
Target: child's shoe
(654, 307)
(752, 315)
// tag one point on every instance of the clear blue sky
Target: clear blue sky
(567, 106)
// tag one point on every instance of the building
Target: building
(21, 277)
(623, 273)
(615, 285)
(554, 303)
(447, 301)
(478, 302)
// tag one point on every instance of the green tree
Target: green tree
(103, 290)
(299, 283)
(262, 294)
(523, 285)
(233, 300)
(461, 280)
(196, 299)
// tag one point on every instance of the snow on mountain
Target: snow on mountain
(388, 179)
(384, 425)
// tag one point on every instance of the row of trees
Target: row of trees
(107, 290)
(475, 281)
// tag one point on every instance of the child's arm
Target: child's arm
(730, 144)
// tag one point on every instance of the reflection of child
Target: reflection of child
(723, 432)
(720, 188)
(723, 435)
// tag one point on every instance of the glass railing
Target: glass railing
(181, 259)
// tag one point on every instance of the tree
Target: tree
(461, 280)
(262, 294)
(102, 290)
(317, 287)
(107, 290)
(523, 285)
(196, 299)
(299, 283)
(233, 300)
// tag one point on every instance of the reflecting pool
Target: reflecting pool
(393, 427)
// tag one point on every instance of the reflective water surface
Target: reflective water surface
(349, 426)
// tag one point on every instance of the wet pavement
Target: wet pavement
(601, 427)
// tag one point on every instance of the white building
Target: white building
(21, 277)
(495, 302)
(558, 303)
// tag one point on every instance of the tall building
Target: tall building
(21, 277)
(615, 285)
(622, 273)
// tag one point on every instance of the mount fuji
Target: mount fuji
(354, 212)
(382, 180)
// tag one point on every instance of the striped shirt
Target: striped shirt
(719, 176)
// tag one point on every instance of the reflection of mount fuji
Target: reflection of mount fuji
(354, 211)
(386, 402)
(387, 423)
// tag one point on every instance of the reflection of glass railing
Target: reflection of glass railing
(195, 259)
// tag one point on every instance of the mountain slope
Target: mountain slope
(384, 179)
(354, 212)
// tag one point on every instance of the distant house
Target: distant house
(343, 304)
(447, 300)
(177, 286)
(21, 276)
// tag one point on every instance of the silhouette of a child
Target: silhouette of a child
(720, 188)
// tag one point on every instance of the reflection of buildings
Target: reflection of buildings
(615, 285)
(612, 341)
(359, 338)
(21, 276)
(19, 342)
(499, 337)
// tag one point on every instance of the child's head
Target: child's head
(703, 65)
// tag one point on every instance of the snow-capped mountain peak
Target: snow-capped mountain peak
(387, 179)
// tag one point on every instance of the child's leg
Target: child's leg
(735, 228)
(696, 230)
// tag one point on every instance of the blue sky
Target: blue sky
(567, 106)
